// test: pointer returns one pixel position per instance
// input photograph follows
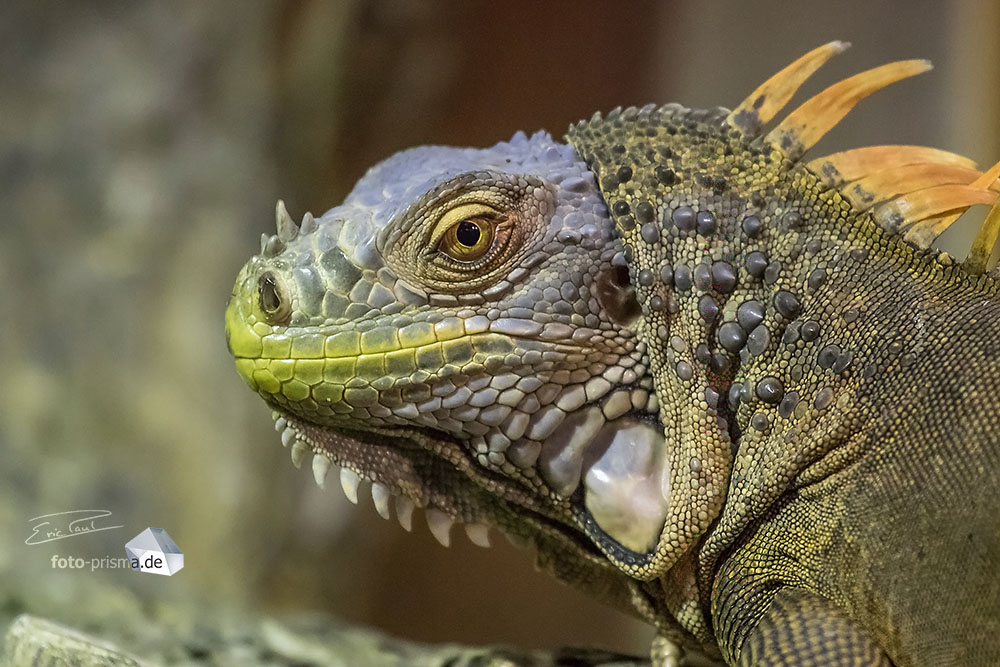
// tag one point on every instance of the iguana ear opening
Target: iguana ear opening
(617, 296)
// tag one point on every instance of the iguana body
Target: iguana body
(729, 391)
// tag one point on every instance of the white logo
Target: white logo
(152, 550)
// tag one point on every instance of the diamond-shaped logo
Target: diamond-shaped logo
(152, 550)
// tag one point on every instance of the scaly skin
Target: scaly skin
(708, 383)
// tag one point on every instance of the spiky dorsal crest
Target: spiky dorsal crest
(911, 190)
(771, 96)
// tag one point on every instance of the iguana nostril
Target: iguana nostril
(274, 306)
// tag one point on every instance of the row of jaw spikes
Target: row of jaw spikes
(287, 230)
(439, 523)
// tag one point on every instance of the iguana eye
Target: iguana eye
(466, 235)
(468, 240)
(470, 234)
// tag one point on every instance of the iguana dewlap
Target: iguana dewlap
(729, 390)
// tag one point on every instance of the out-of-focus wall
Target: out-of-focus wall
(141, 149)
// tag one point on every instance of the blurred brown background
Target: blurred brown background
(142, 147)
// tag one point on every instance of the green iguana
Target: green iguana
(731, 391)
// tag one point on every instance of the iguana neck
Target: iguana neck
(757, 287)
(805, 403)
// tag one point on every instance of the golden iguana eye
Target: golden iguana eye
(469, 239)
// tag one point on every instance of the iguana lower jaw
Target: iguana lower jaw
(405, 475)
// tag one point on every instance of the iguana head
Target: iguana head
(457, 333)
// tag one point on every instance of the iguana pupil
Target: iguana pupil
(468, 233)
